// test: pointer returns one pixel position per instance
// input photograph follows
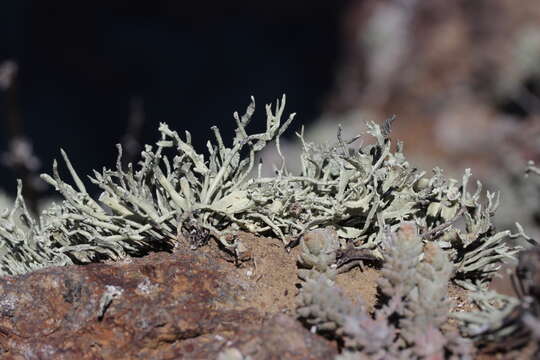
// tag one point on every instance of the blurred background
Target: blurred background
(463, 78)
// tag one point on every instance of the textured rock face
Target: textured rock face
(185, 305)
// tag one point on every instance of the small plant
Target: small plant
(408, 325)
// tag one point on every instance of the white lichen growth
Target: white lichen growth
(176, 194)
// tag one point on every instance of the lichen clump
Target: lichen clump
(362, 191)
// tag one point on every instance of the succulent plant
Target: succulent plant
(410, 322)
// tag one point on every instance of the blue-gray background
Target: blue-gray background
(193, 64)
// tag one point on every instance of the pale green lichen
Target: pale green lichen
(506, 323)
(175, 191)
(24, 245)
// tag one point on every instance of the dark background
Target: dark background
(192, 63)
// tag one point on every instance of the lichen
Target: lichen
(360, 191)
(505, 323)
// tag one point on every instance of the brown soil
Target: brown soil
(269, 276)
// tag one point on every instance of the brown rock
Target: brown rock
(185, 305)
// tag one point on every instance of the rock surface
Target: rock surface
(184, 305)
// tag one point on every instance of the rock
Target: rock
(163, 306)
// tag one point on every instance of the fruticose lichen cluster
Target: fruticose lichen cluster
(175, 196)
